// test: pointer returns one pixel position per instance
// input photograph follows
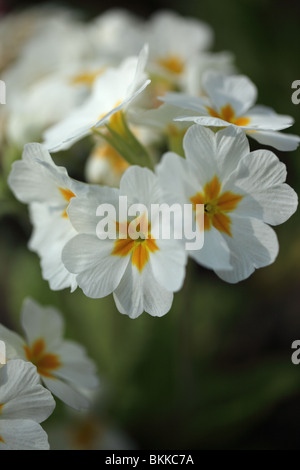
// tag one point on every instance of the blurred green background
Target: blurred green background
(216, 371)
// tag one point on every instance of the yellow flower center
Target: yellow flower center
(45, 362)
(227, 114)
(140, 248)
(67, 194)
(86, 78)
(216, 205)
(172, 63)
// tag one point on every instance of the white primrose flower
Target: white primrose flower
(230, 101)
(112, 93)
(62, 365)
(24, 403)
(48, 189)
(58, 39)
(174, 43)
(242, 193)
(140, 270)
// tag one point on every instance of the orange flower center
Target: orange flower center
(44, 361)
(139, 248)
(216, 205)
(67, 195)
(227, 114)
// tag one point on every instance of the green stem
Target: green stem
(128, 146)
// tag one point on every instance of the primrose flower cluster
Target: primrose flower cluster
(37, 367)
(154, 118)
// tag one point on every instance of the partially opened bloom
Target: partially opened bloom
(140, 270)
(105, 165)
(61, 364)
(48, 189)
(24, 403)
(112, 93)
(242, 193)
(230, 100)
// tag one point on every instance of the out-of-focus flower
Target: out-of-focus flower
(174, 42)
(116, 34)
(112, 93)
(60, 93)
(24, 403)
(22, 27)
(141, 272)
(242, 192)
(43, 82)
(88, 431)
(61, 364)
(48, 189)
(105, 166)
(230, 101)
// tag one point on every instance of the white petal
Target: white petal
(200, 148)
(215, 253)
(76, 368)
(211, 154)
(261, 176)
(253, 245)
(269, 121)
(98, 271)
(236, 90)
(42, 322)
(196, 104)
(36, 178)
(139, 292)
(32, 181)
(35, 151)
(159, 118)
(78, 124)
(168, 264)
(67, 393)
(54, 271)
(176, 180)
(22, 434)
(208, 121)
(140, 77)
(170, 33)
(82, 210)
(141, 186)
(14, 344)
(50, 234)
(278, 140)
(22, 394)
